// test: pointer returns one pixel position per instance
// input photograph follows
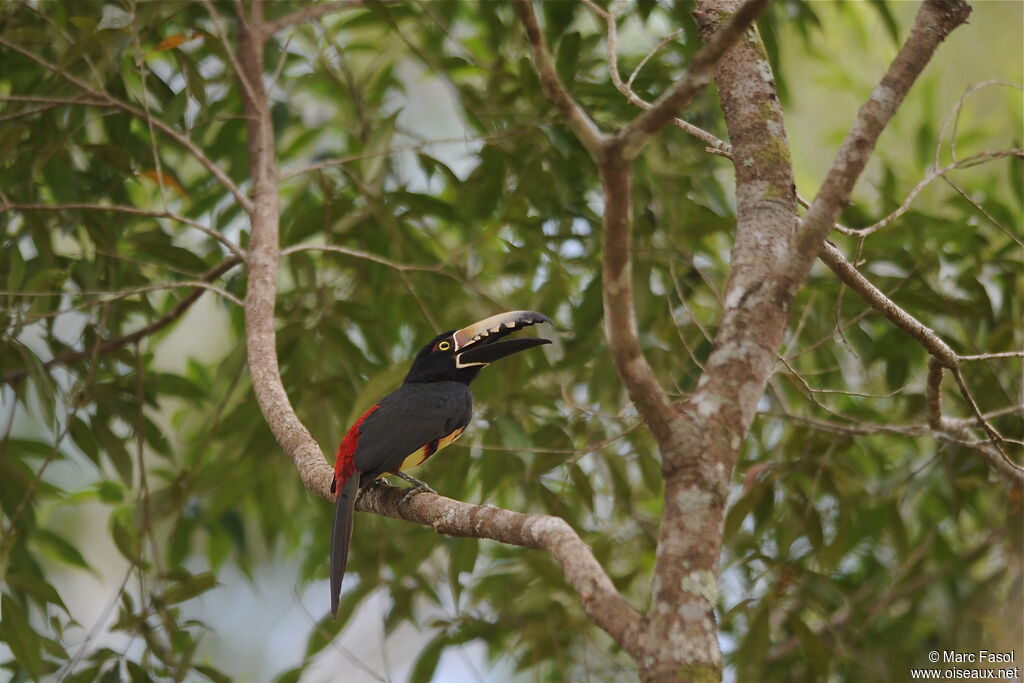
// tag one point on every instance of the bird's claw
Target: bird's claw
(376, 483)
(418, 487)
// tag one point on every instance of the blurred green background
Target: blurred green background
(153, 529)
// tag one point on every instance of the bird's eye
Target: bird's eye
(443, 346)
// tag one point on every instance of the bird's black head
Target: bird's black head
(458, 355)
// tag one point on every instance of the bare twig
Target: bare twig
(56, 101)
(991, 356)
(109, 296)
(972, 160)
(439, 269)
(954, 115)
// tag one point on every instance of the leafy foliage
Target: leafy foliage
(857, 539)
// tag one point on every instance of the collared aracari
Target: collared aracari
(427, 413)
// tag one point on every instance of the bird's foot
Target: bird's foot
(376, 483)
(417, 487)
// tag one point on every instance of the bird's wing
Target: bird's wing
(414, 416)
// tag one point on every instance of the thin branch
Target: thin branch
(875, 605)
(634, 136)
(411, 147)
(56, 101)
(715, 144)
(113, 344)
(935, 20)
(959, 428)
(602, 602)
(994, 436)
(117, 295)
(218, 28)
(990, 356)
(927, 337)
(650, 55)
(440, 269)
(132, 110)
(575, 116)
(131, 210)
(972, 160)
(577, 451)
(954, 114)
(982, 210)
(305, 14)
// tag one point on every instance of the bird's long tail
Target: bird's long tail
(341, 534)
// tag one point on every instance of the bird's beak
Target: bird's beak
(478, 343)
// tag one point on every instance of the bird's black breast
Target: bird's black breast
(407, 419)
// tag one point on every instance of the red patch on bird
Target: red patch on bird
(345, 462)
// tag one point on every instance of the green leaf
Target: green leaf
(189, 586)
(568, 57)
(18, 634)
(36, 587)
(127, 541)
(426, 663)
(291, 675)
(115, 450)
(64, 550)
(84, 439)
(891, 27)
(812, 646)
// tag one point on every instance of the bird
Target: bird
(427, 413)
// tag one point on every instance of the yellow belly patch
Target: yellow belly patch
(420, 455)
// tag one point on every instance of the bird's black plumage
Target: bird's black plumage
(421, 417)
(407, 419)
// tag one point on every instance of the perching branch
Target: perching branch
(600, 599)
(260, 334)
(602, 602)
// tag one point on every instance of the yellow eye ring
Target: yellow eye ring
(444, 346)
